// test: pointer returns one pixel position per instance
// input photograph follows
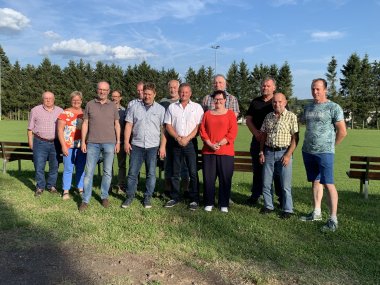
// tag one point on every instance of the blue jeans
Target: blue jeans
(272, 166)
(93, 152)
(189, 154)
(257, 182)
(75, 158)
(45, 151)
(138, 156)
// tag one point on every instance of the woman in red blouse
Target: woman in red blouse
(218, 131)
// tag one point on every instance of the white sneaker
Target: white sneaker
(208, 208)
(224, 209)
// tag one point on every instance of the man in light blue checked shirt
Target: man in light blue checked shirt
(144, 121)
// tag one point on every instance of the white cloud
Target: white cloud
(11, 20)
(125, 52)
(228, 37)
(279, 3)
(82, 48)
(325, 36)
(51, 35)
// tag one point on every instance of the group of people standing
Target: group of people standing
(147, 130)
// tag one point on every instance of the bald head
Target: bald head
(48, 99)
(279, 102)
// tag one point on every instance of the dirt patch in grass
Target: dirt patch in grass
(42, 262)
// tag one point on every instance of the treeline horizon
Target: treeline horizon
(22, 86)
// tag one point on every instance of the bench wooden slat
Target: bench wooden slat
(12, 151)
(364, 168)
(365, 158)
(17, 156)
(362, 175)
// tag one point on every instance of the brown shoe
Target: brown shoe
(38, 193)
(105, 203)
(82, 207)
(53, 190)
(66, 196)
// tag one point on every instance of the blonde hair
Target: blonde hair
(76, 93)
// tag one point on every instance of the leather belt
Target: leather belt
(42, 139)
(276, 148)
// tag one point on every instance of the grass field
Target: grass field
(243, 246)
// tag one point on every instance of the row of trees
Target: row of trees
(22, 86)
(359, 92)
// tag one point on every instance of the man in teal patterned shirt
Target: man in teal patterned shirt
(325, 128)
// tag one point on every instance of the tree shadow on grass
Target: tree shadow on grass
(30, 255)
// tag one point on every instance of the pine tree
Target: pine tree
(350, 86)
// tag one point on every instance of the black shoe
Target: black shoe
(252, 201)
(285, 215)
(265, 211)
(147, 204)
(127, 202)
(193, 206)
(53, 190)
(171, 204)
(38, 192)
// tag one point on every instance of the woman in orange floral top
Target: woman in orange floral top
(69, 134)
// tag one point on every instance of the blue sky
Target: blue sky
(179, 34)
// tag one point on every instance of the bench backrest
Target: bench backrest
(242, 162)
(365, 167)
(11, 151)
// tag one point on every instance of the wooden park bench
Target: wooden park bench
(242, 162)
(364, 168)
(12, 151)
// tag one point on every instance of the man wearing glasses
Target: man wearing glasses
(100, 135)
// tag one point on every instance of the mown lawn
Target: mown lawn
(243, 246)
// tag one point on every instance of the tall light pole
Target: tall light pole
(215, 47)
(0, 89)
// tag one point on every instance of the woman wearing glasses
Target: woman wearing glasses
(69, 134)
(218, 131)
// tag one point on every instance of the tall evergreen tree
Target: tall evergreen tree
(332, 79)
(285, 82)
(233, 80)
(5, 67)
(350, 85)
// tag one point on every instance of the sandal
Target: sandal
(65, 196)
(80, 190)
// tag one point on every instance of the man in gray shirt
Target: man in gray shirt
(144, 121)
(100, 135)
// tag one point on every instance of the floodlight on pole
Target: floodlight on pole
(215, 47)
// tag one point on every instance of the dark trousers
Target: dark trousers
(221, 166)
(189, 154)
(122, 169)
(257, 183)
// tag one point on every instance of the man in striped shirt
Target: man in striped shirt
(280, 138)
(42, 139)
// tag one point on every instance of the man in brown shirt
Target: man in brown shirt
(100, 135)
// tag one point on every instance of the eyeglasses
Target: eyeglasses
(219, 100)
